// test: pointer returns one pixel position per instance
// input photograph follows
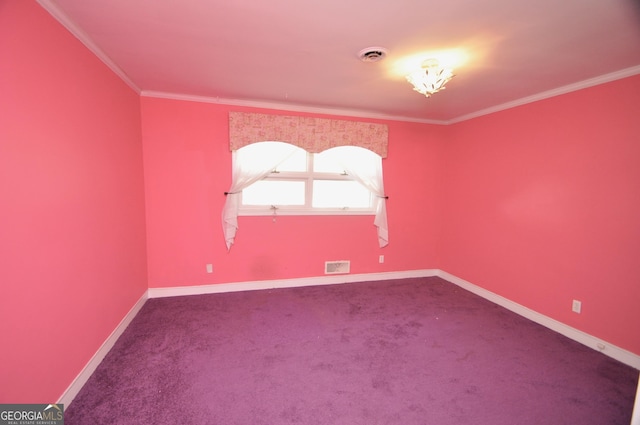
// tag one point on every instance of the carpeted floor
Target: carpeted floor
(408, 352)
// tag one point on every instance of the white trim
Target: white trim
(84, 38)
(291, 107)
(72, 391)
(635, 418)
(306, 179)
(607, 78)
(605, 347)
(286, 283)
(261, 211)
(63, 19)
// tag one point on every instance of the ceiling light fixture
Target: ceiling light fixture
(430, 78)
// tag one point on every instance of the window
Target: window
(298, 182)
(288, 180)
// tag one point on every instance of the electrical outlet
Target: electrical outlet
(381, 259)
(209, 268)
(576, 307)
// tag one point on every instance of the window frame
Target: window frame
(308, 177)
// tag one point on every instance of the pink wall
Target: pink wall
(539, 204)
(188, 167)
(542, 206)
(72, 238)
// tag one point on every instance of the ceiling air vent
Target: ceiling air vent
(372, 54)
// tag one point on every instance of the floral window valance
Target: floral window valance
(311, 134)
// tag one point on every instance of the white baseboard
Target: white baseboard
(286, 283)
(84, 375)
(605, 347)
(635, 418)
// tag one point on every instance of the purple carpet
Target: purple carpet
(408, 352)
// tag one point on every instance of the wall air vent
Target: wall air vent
(337, 267)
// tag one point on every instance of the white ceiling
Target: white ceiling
(303, 55)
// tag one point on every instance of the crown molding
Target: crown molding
(591, 82)
(606, 78)
(84, 38)
(72, 27)
(290, 107)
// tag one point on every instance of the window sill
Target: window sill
(288, 212)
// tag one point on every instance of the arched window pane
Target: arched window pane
(296, 162)
(324, 162)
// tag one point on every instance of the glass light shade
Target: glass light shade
(431, 78)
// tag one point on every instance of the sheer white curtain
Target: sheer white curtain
(365, 167)
(246, 170)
